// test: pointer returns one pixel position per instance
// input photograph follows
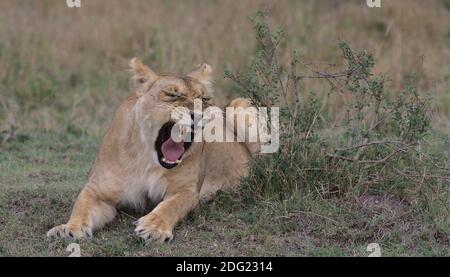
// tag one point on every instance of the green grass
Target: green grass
(42, 173)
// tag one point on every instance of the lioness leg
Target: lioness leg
(158, 225)
(90, 212)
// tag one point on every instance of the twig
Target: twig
(373, 143)
(309, 213)
(296, 80)
(339, 157)
(312, 124)
(130, 216)
(422, 181)
(384, 160)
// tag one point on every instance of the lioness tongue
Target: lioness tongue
(172, 150)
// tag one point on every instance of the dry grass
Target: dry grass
(61, 66)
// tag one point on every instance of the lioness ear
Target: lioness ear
(142, 75)
(203, 74)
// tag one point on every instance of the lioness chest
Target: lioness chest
(143, 187)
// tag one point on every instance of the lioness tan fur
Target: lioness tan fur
(127, 171)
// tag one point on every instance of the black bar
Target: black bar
(224, 266)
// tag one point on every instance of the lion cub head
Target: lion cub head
(160, 96)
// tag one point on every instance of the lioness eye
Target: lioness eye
(171, 94)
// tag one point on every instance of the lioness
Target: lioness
(139, 161)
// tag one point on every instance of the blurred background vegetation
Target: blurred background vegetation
(66, 69)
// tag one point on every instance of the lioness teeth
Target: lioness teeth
(171, 162)
(167, 161)
(181, 132)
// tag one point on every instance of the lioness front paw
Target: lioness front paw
(153, 228)
(70, 231)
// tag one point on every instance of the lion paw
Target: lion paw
(70, 231)
(153, 228)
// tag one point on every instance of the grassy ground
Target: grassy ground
(41, 174)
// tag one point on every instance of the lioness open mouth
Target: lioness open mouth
(170, 152)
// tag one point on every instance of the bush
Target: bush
(381, 147)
